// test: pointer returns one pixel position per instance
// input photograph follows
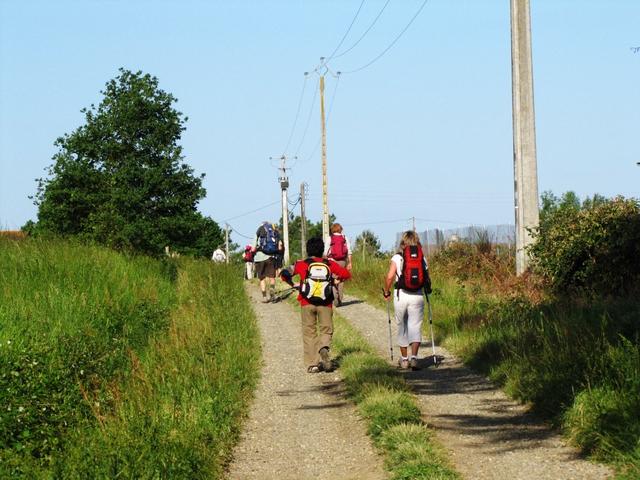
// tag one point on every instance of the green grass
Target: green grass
(576, 363)
(112, 366)
(384, 400)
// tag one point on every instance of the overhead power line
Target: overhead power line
(306, 128)
(375, 20)
(295, 122)
(375, 59)
(331, 102)
(347, 32)
(252, 211)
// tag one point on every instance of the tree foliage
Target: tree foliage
(120, 179)
(591, 246)
(368, 243)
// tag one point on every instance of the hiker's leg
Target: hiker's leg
(309, 335)
(415, 310)
(400, 305)
(325, 326)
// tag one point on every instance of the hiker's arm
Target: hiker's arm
(388, 281)
(341, 273)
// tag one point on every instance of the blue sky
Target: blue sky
(425, 131)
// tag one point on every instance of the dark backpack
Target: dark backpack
(268, 239)
(317, 287)
(338, 247)
(414, 274)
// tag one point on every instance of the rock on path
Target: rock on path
(300, 426)
(488, 435)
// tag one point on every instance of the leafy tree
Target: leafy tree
(120, 179)
(368, 241)
(591, 247)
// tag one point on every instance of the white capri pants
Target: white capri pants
(409, 311)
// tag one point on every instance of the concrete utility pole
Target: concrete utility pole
(303, 221)
(226, 241)
(524, 133)
(284, 185)
(325, 201)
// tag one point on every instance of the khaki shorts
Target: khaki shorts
(266, 269)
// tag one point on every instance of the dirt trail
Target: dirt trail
(488, 435)
(300, 425)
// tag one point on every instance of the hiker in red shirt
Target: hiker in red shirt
(317, 278)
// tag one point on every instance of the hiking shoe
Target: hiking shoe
(403, 363)
(414, 363)
(325, 360)
(313, 369)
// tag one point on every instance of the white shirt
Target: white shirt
(218, 256)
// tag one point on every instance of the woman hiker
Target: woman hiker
(408, 272)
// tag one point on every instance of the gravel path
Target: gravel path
(300, 425)
(488, 435)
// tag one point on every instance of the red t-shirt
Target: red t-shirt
(301, 267)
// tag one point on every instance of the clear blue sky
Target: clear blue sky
(425, 131)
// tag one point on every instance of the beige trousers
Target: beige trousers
(317, 330)
(338, 291)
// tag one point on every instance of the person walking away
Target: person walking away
(218, 256)
(247, 256)
(265, 246)
(409, 272)
(338, 249)
(316, 275)
(279, 256)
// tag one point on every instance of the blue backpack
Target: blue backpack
(268, 239)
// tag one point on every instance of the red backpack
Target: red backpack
(338, 247)
(413, 276)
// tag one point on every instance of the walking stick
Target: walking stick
(433, 343)
(389, 319)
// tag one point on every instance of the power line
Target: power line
(252, 211)
(232, 229)
(347, 32)
(306, 128)
(375, 20)
(331, 102)
(295, 122)
(392, 43)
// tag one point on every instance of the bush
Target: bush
(593, 249)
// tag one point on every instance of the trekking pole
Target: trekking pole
(433, 343)
(389, 319)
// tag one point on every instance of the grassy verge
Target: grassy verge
(576, 363)
(120, 367)
(384, 400)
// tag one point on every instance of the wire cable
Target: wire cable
(233, 230)
(306, 128)
(391, 44)
(252, 211)
(295, 122)
(375, 20)
(346, 33)
(331, 102)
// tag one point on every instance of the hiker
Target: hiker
(317, 276)
(338, 249)
(247, 257)
(218, 256)
(265, 246)
(409, 270)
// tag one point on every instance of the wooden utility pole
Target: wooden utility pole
(325, 202)
(226, 241)
(284, 185)
(524, 133)
(303, 222)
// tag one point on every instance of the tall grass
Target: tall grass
(119, 367)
